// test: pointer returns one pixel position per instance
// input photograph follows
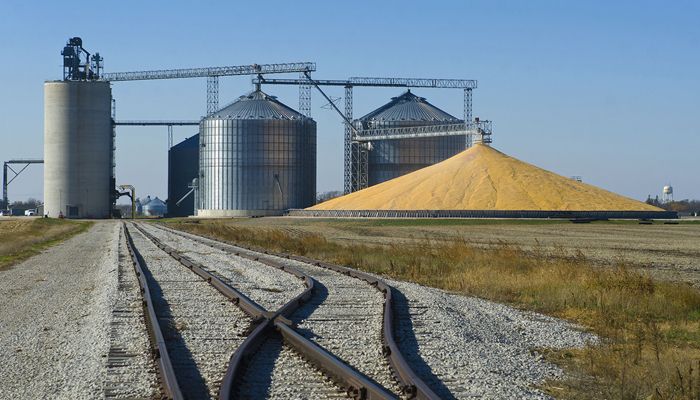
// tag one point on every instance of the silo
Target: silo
(154, 208)
(257, 157)
(389, 159)
(78, 150)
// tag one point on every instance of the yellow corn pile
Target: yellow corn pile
(482, 178)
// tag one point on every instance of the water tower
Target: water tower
(667, 195)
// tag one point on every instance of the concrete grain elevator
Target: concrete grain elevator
(78, 139)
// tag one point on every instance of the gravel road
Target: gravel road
(54, 318)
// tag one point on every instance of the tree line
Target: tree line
(692, 206)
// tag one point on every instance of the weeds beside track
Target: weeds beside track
(23, 238)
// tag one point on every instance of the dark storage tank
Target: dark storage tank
(389, 159)
(257, 157)
(183, 165)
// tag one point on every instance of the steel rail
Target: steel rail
(356, 384)
(248, 306)
(247, 349)
(165, 366)
(412, 385)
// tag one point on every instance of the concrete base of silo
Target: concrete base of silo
(238, 213)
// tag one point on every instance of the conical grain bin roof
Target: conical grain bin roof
(389, 159)
(482, 178)
(408, 109)
(257, 105)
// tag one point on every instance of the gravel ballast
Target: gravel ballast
(265, 285)
(279, 372)
(131, 369)
(344, 316)
(55, 313)
(276, 371)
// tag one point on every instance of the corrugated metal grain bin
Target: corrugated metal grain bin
(257, 157)
(389, 159)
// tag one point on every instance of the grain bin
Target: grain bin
(78, 149)
(154, 207)
(389, 159)
(257, 157)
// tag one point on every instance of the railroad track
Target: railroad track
(319, 334)
(194, 328)
(130, 367)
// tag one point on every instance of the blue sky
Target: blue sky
(606, 91)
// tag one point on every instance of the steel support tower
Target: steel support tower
(349, 147)
(6, 182)
(304, 98)
(468, 113)
(212, 94)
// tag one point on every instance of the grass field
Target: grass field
(650, 328)
(21, 238)
(668, 252)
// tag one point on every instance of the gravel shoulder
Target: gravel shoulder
(55, 314)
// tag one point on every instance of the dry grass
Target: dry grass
(22, 238)
(667, 252)
(650, 329)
